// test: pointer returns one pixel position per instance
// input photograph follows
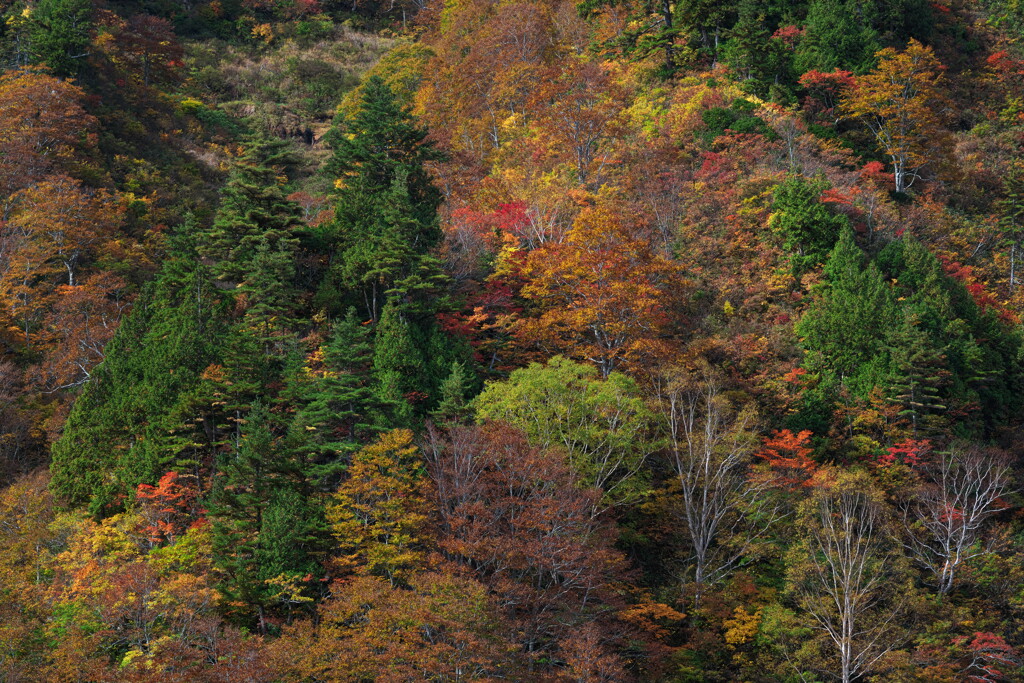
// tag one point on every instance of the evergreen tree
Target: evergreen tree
(918, 376)
(339, 406)
(122, 429)
(453, 406)
(838, 36)
(265, 527)
(844, 331)
(386, 204)
(1011, 219)
(398, 365)
(808, 228)
(60, 33)
(252, 240)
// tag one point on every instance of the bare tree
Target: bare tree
(945, 519)
(710, 445)
(847, 574)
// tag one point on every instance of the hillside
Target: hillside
(512, 340)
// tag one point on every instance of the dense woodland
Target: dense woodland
(522, 340)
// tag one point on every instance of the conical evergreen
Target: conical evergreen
(255, 220)
(846, 328)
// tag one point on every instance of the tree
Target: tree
(267, 528)
(945, 518)
(518, 519)
(385, 201)
(252, 236)
(60, 33)
(919, 375)
(42, 122)
(379, 511)
(808, 227)
(847, 573)
(603, 293)
(711, 443)
(837, 37)
(340, 408)
(1011, 217)
(902, 104)
(789, 457)
(603, 424)
(845, 328)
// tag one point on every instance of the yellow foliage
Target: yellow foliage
(742, 628)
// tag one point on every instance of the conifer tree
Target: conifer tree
(386, 204)
(1011, 219)
(60, 33)
(837, 37)
(340, 408)
(253, 229)
(919, 374)
(397, 365)
(808, 228)
(265, 524)
(121, 431)
(845, 329)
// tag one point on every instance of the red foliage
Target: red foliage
(823, 93)
(909, 452)
(984, 298)
(789, 456)
(987, 651)
(169, 508)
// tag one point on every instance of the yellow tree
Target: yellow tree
(603, 294)
(902, 104)
(379, 511)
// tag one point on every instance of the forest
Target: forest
(511, 340)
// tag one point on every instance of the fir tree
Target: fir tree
(918, 375)
(254, 227)
(123, 429)
(397, 365)
(386, 204)
(264, 525)
(845, 329)
(838, 36)
(339, 410)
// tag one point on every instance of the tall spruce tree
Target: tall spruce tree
(124, 428)
(266, 523)
(254, 228)
(385, 201)
(845, 329)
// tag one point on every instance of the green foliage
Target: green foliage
(60, 34)
(837, 37)
(115, 437)
(737, 118)
(809, 229)
(385, 203)
(604, 425)
(845, 328)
